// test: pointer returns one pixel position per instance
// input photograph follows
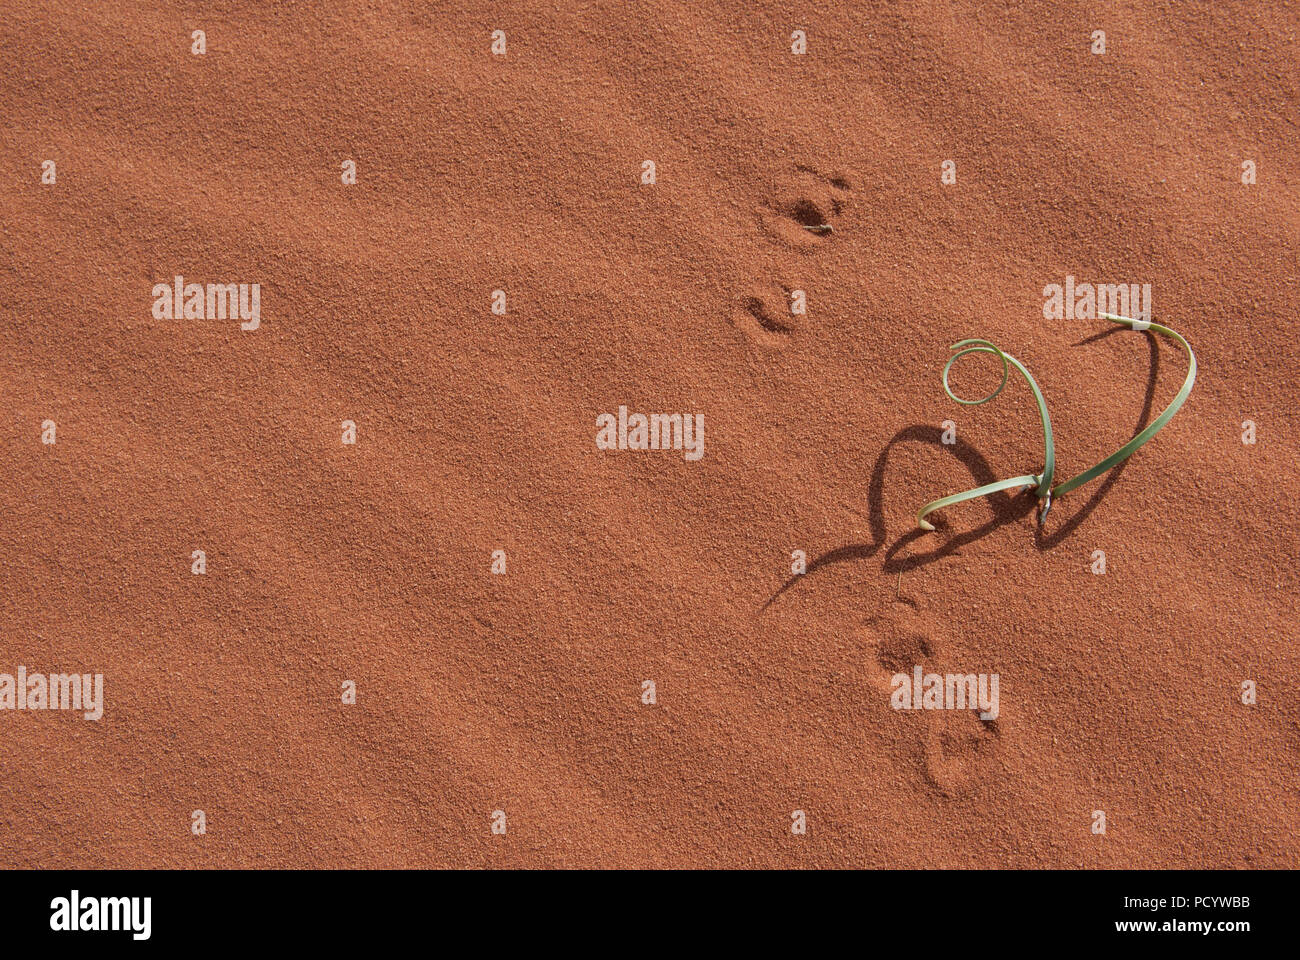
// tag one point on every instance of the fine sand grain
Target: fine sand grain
(522, 692)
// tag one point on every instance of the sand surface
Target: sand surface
(522, 692)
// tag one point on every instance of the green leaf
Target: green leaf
(1042, 482)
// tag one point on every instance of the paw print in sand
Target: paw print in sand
(958, 747)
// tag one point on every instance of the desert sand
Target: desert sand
(522, 692)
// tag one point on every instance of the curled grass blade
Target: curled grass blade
(1043, 481)
(1028, 480)
(1126, 451)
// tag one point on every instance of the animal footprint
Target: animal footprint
(902, 639)
(805, 207)
(961, 750)
(958, 751)
(766, 318)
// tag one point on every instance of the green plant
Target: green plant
(1042, 481)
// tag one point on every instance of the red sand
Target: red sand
(521, 692)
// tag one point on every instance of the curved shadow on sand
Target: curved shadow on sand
(1006, 507)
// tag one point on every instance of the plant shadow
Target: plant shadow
(1006, 507)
